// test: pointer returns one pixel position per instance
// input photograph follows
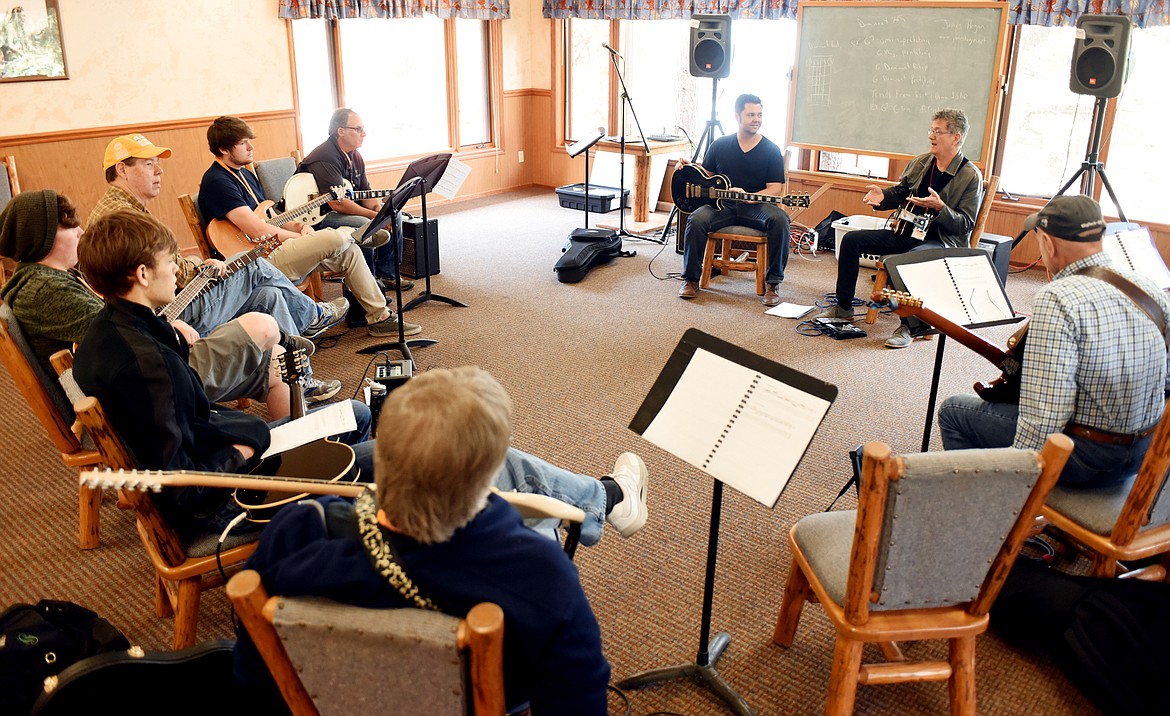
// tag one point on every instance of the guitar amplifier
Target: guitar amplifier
(412, 264)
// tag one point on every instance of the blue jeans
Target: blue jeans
(380, 260)
(259, 287)
(358, 439)
(768, 218)
(967, 421)
(525, 473)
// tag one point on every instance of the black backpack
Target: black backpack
(40, 641)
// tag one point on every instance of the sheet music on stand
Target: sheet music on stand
(964, 288)
(741, 418)
(1134, 250)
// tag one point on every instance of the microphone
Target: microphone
(611, 50)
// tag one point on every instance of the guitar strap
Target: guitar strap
(1132, 291)
(381, 552)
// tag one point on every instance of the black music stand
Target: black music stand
(584, 146)
(428, 170)
(389, 215)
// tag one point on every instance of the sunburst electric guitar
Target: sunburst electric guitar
(692, 187)
(1005, 388)
(229, 239)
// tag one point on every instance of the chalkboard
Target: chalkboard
(869, 75)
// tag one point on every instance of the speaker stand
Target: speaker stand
(705, 140)
(1093, 166)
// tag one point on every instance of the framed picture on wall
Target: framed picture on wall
(30, 41)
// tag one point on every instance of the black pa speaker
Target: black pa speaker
(711, 45)
(1100, 60)
(412, 264)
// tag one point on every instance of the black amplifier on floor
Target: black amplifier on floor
(412, 247)
(1000, 248)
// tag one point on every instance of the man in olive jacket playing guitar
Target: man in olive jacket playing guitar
(755, 164)
(1095, 361)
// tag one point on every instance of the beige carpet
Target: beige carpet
(578, 359)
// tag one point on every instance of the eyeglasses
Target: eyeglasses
(359, 129)
(932, 132)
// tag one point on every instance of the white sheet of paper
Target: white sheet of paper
(969, 287)
(789, 310)
(750, 438)
(452, 179)
(1138, 255)
(332, 420)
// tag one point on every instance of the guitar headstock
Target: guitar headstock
(801, 200)
(339, 192)
(900, 298)
(294, 366)
(135, 480)
(267, 244)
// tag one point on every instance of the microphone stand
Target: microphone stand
(627, 104)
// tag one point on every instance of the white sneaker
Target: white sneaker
(628, 516)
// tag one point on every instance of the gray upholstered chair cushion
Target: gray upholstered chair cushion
(274, 174)
(203, 544)
(60, 401)
(354, 660)
(826, 539)
(945, 522)
(1096, 510)
(5, 187)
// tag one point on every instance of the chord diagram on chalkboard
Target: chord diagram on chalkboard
(820, 82)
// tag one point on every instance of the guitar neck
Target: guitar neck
(197, 285)
(746, 196)
(155, 480)
(370, 194)
(297, 212)
(971, 340)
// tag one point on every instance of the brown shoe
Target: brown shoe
(771, 298)
(689, 290)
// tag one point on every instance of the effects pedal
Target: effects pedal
(839, 328)
(393, 373)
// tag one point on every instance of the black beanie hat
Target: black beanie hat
(28, 226)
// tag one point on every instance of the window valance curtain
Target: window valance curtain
(1143, 13)
(348, 9)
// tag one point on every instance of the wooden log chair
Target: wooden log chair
(438, 664)
(183, 568)
(9, 187)
(915, 562)
(1124, 523)
(990, 187)
(54, 411)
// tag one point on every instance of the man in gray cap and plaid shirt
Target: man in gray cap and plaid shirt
(1095, 360)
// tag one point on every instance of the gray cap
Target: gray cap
(1072, 218)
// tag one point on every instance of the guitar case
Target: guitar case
(585, 249)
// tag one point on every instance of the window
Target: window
(394, 73)
(656, 67)
(1139, 141)
(1048, 124)
(859, 164)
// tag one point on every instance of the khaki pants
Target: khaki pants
(332, 250)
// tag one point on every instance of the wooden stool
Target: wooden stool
(749, 259)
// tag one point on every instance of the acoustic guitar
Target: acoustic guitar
(208, 277)
(302, 187)
(1005, 388)
(692, 187)
(912, 221)
(229, 239)
(323, 460)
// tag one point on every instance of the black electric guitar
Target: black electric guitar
(692, 187)
(302, 188)
(323, 460)
(208, 277)
(1005, 388)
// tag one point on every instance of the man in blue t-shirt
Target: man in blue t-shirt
(754, 164)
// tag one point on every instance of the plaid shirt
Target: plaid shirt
(1092, 357)
(118, 198)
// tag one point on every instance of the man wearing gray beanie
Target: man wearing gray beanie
(54, 306)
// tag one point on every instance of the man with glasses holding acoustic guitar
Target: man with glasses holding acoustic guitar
(754, 164)
(942, 186)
